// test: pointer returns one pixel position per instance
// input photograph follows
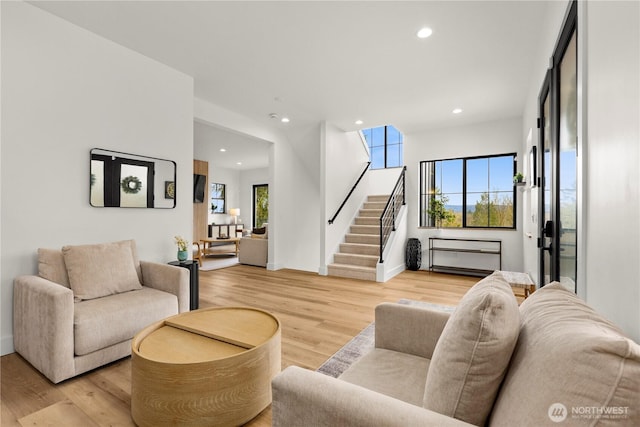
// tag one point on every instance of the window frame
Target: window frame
(387, 146)
(253, 203)
(223, 198)
(425, 190)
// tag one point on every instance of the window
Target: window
(472, 192)
(218, 198)
(385, 147)
(260, 205)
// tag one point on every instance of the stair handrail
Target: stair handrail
(344, 202)
(389, 214)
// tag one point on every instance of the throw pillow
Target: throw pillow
(51, 266)
(99, 270)
(473, 352)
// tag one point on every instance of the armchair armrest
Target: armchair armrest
(168, 278)
(409, 329)
(305, 398)
(43, 326)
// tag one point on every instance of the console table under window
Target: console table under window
(230, 230)
(476, 257)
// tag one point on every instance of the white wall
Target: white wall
(496, 137)
(248, 179)
(294, 201)
(612, 229)
(609, 184)
(64, 91)
(382, 181)
(343, 160)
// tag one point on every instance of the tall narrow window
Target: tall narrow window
(260, 205)
(218, 198)
(385, 147)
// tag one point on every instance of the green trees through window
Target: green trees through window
(218, 198)
(260, 205)
(474, 192)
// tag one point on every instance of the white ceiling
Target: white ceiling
(241, 152)
(335, 60)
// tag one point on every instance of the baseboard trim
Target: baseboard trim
(274, 266)
(389, 274)
(6, 345)
(323, 270)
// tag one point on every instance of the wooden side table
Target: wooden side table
(519, 280)
(194, 281)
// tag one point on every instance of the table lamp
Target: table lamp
(235, 213)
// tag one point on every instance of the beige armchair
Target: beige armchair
(253, 251)
(87, 303)
(488, 363)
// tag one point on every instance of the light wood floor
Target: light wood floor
(318, 314)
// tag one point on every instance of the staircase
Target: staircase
(360, 252)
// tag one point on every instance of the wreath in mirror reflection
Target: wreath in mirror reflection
(131, 185)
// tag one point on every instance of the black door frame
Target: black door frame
(551, 88)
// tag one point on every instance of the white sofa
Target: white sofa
(86, 304)
(552, 361)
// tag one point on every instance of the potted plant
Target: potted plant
(437, 209)
(182, 248)
(518, 178)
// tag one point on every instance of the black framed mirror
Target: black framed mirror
(126, 180)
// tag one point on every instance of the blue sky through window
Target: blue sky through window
(468, 184)
(385, 150)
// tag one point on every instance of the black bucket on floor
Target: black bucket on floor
(413, 254)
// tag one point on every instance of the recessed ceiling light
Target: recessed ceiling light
(223, 149)
(457, 110)
(239, 163)
(359, 122)
(285, 119)
(424, 32)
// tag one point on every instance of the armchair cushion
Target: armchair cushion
(99, 270)
(398, 375)
(102, 322)
(473, 352)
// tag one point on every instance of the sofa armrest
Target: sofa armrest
(168, 278)
(43, 326)
(409, 329)
(305, 398)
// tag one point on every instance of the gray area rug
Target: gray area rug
(216, 262)
(364, 342)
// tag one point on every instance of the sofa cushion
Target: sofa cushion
(473, 352)
(572, 360)
(99, 270)
(101, 322)
(51, 266)
(399, 375)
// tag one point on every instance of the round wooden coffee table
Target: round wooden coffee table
(206, 367)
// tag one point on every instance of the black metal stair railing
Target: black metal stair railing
(390, 213)
(366, 168)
